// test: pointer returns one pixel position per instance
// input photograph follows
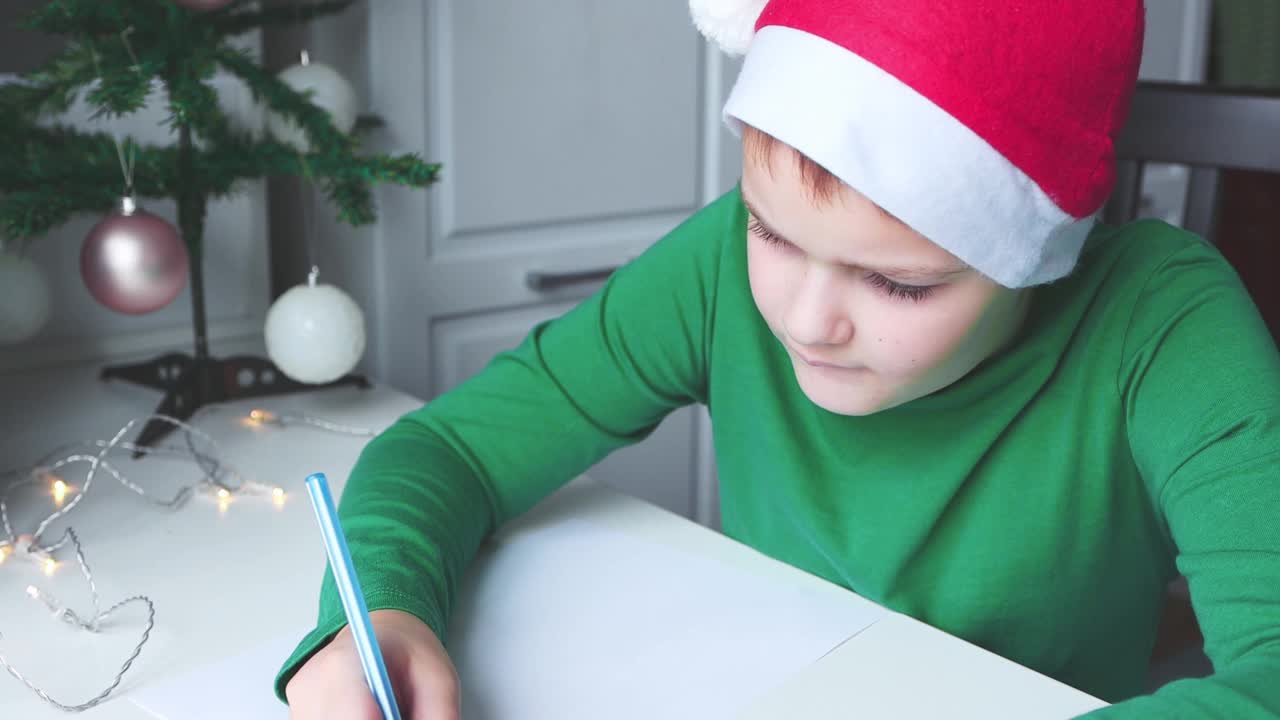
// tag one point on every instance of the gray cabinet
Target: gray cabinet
(573, 134)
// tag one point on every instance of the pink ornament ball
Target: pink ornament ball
(134, 262)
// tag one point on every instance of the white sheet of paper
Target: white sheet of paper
(575, 619)
(236, 687)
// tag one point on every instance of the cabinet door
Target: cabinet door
(573, 135)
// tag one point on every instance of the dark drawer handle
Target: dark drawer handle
(541, 281)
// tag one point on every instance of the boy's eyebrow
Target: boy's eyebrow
(916, 272)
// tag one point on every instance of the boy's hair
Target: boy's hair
(759, 147)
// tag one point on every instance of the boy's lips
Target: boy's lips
(814, 362)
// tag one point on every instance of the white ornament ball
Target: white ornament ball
(327, 89)
(315, 333)
(25, 300)
(728, 23)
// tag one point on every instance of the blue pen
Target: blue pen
(344, 574)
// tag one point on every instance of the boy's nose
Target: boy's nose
(817, 314)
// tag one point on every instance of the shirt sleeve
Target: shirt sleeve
(1201, 389)
(425, 493)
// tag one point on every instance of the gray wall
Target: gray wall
(22, 51)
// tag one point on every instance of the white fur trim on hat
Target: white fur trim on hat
(728, 23)
(906, 154)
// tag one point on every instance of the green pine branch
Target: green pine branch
(92, 18)
(24, 101)
(345, 177)
(347, 185)
(51, 89)
(67, 156)
(75, 172)
(115, 60)
(269, 91)
(121, 87)
(84, 171)
(194, 103)
(32, 213)
(117, 53)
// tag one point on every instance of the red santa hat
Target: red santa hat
(988, 126)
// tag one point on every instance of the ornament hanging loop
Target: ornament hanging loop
(312, 276)
(124, 38)
(127, 165)
(132, 160)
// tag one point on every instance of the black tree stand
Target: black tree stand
(190, 382)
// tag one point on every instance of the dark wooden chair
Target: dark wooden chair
(1211, 130)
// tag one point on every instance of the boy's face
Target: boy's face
(872, 314)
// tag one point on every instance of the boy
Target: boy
(934, 380)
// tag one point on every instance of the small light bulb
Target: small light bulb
(60, 489)
(50, 566)
(223, 494)
(4, 553)
(256, 418)
(33, 592)
(277, 497)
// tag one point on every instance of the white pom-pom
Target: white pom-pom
(728, 23)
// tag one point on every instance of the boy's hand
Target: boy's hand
(331, 684)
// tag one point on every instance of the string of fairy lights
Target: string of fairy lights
(216, 478)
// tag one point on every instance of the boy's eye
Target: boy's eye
(895, 290)
(762, 232)
(899, 291)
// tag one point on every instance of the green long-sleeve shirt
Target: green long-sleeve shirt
(1037, 507)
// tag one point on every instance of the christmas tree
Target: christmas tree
(117, 52)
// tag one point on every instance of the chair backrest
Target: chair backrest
(1208, 129)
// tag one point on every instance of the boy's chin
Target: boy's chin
(854, 398)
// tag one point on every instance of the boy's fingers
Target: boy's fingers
(354, 703)
(436, 709)
(331, 686)
(434, 696)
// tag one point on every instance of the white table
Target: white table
(223, 581)
(219, 580)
